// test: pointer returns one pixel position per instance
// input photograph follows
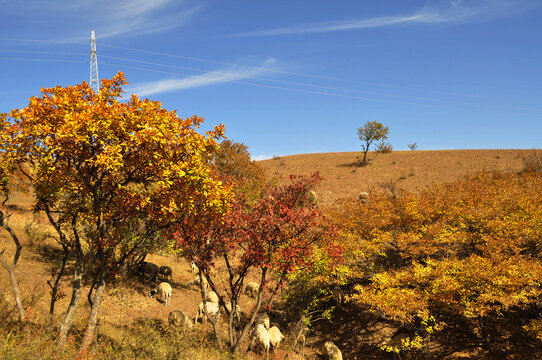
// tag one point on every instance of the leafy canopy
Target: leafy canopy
(370, 132)
(276, 235)
(101, 164)
(470, 249)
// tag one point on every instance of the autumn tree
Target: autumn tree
(274, 236)
(100, 168)
(6, 172)
(370, 132)
(470, 249)
(233, 162)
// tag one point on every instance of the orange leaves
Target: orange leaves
(113, 163)
(471, 247)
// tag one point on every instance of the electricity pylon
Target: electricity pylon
(94, 79)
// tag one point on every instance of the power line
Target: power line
(247, 66)
(327, 93)
(287, 82)
(285, 72)
(43, 41)
(394, 98)
(49, 60)
(367, 98)
(265, 79)
(253, 77)
(42, 52)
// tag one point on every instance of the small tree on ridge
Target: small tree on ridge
(370, 132)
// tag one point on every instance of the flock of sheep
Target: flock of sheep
(263, 335)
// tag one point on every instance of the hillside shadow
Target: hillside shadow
(355, 164)
(52, 255)
(357, 332)
(15, 207)
(348, 329)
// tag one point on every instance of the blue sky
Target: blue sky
(290, 77)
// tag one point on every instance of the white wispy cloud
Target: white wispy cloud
(138, 17)
(208, 78)
(434, 12)
(109, 18)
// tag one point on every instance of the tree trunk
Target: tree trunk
(15, 288)
(365, 151)
(11, 269)
(76, 294)
(54, 288)
(254, 313)
(213, 321)
(94, 311)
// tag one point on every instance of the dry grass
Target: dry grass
(410, 170)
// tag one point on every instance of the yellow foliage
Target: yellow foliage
(470, 248)
(106, 161)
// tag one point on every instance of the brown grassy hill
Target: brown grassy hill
(409, 170)
(126, 304)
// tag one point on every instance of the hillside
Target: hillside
(409, 170)
(128, 304)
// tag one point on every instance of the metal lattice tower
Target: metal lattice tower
(94, 79)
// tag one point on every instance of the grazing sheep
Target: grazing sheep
(300, 343)
(178, 319)
(298, 335)
(275, 337)
(264, 320)
(252, 289)
(363, 197)
(312, 196)
(333, 352)
(227, 305)
(194, 268)
(165, 273)
(260, 336)
(164, 292)
(212, 310)
(211, 297)
(197, 282)
(338, 294)
(149, 270)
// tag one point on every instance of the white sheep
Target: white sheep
(275, 337)
(178, 319)
(260, 336)
(194, 268)
(363, 197)
(264, 320)
(212, 311)
(251, 289)
(311, 196)
(165, 272)
(211, 297)
(197, 282)
(333, 352)
(164, 291)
